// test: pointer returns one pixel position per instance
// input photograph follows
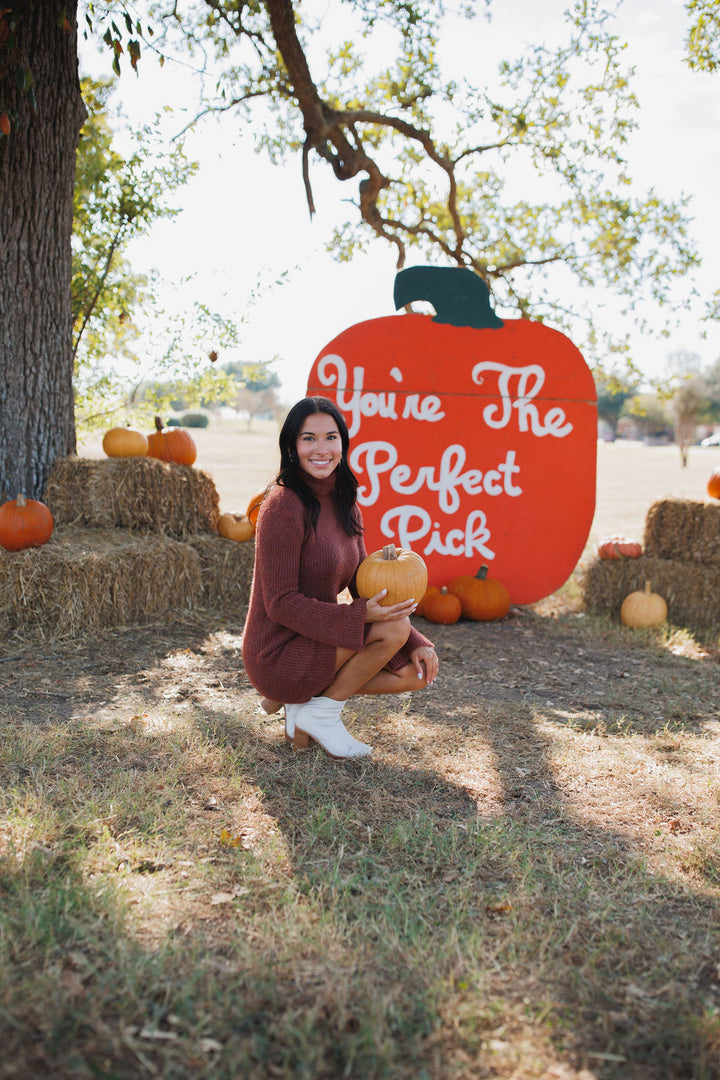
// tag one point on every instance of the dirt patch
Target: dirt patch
(571, 668)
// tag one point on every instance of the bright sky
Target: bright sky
(244, 220)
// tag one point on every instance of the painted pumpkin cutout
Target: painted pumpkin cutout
(473, 439)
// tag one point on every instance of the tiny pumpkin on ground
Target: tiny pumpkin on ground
(442, 607)
(643, 608)
(483, 599)
(401, 571)
(420, 609)
(713, 484)
(24, 523)
(236, 527)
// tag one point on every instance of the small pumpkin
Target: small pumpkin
(253, 508)
(420, 609)
(713, 484)
(236, 527)
(646, 608)
(618, 547)
(121, 442)
(482, 598)
(24, 523)
(401, 571)
(442, 607)
(171, 444)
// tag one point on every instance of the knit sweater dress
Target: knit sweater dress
(295, 621)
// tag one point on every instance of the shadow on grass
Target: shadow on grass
(444, 911)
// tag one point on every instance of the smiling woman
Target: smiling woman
(302, 647)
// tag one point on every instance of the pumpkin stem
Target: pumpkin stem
(482, 572)
(459, 295)
(648, 589)
(389, 552)
(20, 501)
(158, 424)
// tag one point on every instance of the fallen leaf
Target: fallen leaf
(209, 1046)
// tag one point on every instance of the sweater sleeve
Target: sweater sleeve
(279, 539)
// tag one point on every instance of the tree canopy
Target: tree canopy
(519, 175)
(703, 40)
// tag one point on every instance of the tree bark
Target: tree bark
(37, 174)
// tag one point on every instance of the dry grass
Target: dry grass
(523, 884)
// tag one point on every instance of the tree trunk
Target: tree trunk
(37, 174)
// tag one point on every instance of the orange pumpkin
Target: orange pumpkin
(482, 598)
(24, 523)
(618, 547)
(236, 527)
(442, 607)
(254, 508)
(171, 444)
(401, 571)
(713, 484)
(120, 442)
(420, 609)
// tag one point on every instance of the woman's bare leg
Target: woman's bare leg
(394, 682)
(356, 671)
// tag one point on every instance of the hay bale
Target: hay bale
(85, 579)
(684, 529)
(691, 589)
(141, 494)
(226, 570)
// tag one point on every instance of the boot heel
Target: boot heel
(301, 739)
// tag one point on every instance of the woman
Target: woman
(301, 647)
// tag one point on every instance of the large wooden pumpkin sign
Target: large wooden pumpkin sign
(473, 439)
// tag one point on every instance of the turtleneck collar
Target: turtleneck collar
(321, 485)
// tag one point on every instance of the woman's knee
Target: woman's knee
(396, 633)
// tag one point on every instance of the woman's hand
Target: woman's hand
(426, 663)
(376, 613)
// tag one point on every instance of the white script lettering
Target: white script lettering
(414, 524)
(529, 383)
(374, 459)
(332, 371)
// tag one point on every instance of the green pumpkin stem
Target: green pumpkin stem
(482, 572)
(459, 295)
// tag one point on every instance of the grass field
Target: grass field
(522, 884)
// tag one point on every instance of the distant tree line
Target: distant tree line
(678, 407)
(252, 388)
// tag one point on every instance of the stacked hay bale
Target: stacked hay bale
(681, 560)
(133, 537)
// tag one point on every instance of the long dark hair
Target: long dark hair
(290, 475)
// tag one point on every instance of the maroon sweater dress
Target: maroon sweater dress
(295, 621)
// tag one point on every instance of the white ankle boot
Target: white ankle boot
(290, 714)
(319, 719)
